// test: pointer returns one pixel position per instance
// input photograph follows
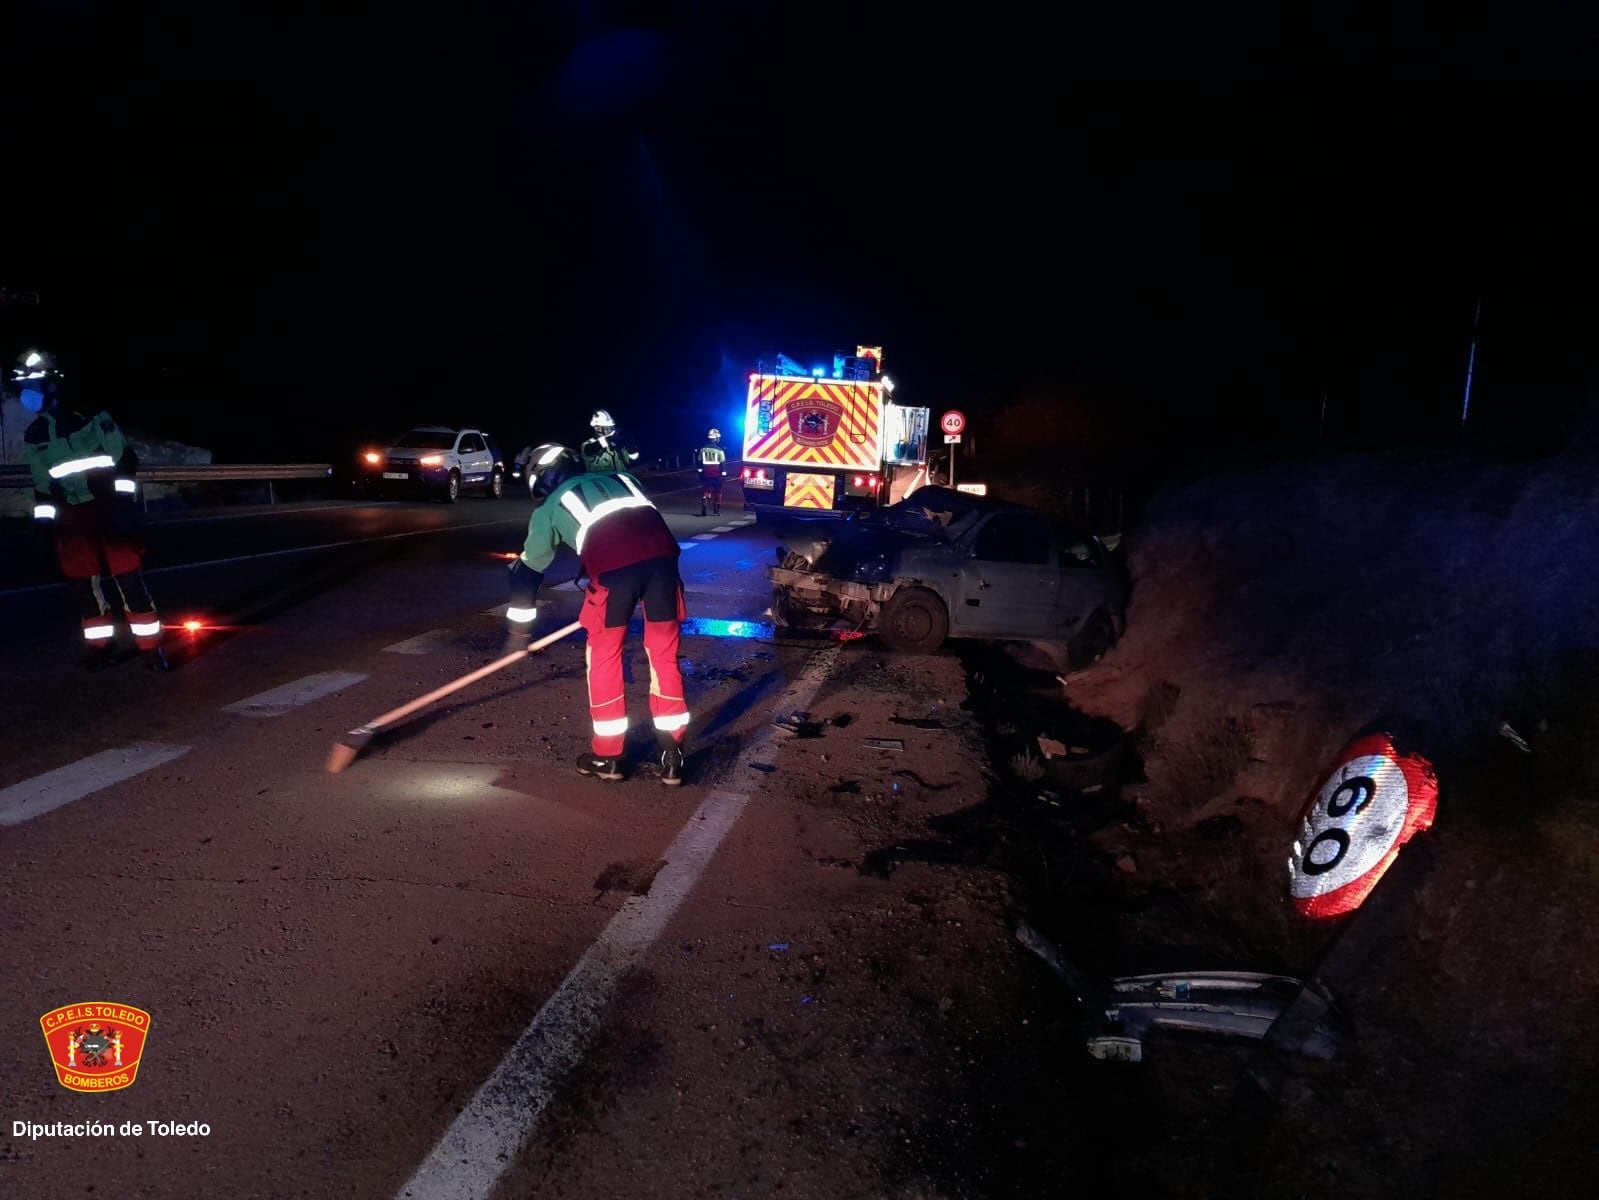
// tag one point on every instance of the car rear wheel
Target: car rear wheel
(496, 485)
(914, 621)
(452, 489)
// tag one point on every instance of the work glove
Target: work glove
(521, 613)
(524, 584)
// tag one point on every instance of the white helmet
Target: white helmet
(602, 423)
(715, 435)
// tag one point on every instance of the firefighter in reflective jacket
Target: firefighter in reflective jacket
(84, 488)
(629, 556)
(711, 458)
(605, 452)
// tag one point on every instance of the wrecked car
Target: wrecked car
(944, 564)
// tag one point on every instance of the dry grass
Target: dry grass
(1026, 765)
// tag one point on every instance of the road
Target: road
(335, 964)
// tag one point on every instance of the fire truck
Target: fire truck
(820, 441)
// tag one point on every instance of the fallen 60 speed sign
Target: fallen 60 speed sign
(1352, 826)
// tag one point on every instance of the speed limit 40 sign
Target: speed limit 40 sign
(952, 422)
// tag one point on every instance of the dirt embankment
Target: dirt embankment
(1277, 613)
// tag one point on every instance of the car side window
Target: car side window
(471, 444)
(1014, 538)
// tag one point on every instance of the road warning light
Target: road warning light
(193, 626)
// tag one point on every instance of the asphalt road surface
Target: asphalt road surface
(326, 959)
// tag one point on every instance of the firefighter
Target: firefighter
(628, 556)
(605, 452)
(84, 488)
(711, 458)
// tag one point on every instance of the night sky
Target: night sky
(276, 237)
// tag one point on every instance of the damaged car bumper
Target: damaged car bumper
(804, 597)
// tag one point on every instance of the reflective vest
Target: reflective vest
(607, 519)
(74, 458)
(711, 460)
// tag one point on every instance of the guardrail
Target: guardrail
(14, 476)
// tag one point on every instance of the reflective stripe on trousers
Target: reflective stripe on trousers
(607, 697)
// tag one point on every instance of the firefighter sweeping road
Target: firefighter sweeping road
(342, 978)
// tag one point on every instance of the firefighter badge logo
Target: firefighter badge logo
(96, 1046)
(814, 421)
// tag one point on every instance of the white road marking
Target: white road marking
(422, 643)
(279, 510)
(23, 801)
(488, 1135)
(704, 537)
(217, 562)
(485, 1138)
(280, 700)
(747, 518)
(724, 529)
(687, 545)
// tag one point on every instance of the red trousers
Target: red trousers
(607, 608)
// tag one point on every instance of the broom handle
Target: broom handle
(406, 710)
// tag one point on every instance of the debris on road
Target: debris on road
(1119, 1014)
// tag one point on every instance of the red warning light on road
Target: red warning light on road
(1352, 826)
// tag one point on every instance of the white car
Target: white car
(435, 460)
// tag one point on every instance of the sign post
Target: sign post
(952, 423)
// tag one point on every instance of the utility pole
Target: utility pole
(1471, 362)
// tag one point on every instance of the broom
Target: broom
(346, 749)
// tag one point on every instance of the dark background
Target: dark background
(272, 234)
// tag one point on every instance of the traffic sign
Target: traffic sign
(951, 438)
(954, 421)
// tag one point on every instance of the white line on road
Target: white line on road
(687, 545)
(422, 643)
(237, 558)
(704, 537)
(724, 529)
(280, 700)
(485, 1138)
(23, 801)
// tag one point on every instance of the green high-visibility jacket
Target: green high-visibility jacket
(74, 458)
(607, 456)
(607, 519)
